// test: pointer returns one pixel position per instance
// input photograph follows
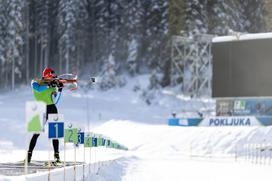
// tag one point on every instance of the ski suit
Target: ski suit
(43, 92)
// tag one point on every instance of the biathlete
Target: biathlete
(46, 90)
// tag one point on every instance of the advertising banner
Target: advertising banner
(224, 121)
(230, 121)
(244, 107)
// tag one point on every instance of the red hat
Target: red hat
(48, 73)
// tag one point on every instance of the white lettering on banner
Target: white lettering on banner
(183, 122)
(230, 121)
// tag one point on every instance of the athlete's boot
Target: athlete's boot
(57, 157)
(29, 155)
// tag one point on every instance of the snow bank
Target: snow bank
(183, 140)
(160, 152)
(157, 151)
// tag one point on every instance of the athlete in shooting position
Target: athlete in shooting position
(46, 90)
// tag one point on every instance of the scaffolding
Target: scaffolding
(192, 64)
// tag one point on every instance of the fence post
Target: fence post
(211, 150)
(235, 153)
(252, 153)
(270, 150)
(265, 152)
(247, 153)
(190, 149)
(257, 153)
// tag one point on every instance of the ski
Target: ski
(54, 164)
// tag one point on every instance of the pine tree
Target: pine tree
(38, 35)
(100, 31)
(177, 27)
(144, 37)
(268, 15)
(153, 30)
(120, 32)
(67, 31)
(26, 40)
(254, 11)
(226, 16)
(110, 77)
(132, 55)
(14, 41)
(158, 34)
(176, 17)
(196, 17)
(81, 33)
(132, 26)
(3, 25)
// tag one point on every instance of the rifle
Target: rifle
(67, 80)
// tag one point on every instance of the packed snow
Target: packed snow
(156, 151)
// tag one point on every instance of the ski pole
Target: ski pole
(26, 160)
(83, 162)
(75, 162)
(64, 162)
(49, 160)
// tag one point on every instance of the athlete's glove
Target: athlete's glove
(53, 83)
(60, 86)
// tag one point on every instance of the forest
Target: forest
(111, 39)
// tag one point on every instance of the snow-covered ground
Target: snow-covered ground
(156, 150)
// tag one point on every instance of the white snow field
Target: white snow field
(157, 152)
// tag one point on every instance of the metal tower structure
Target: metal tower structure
(192, 64)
